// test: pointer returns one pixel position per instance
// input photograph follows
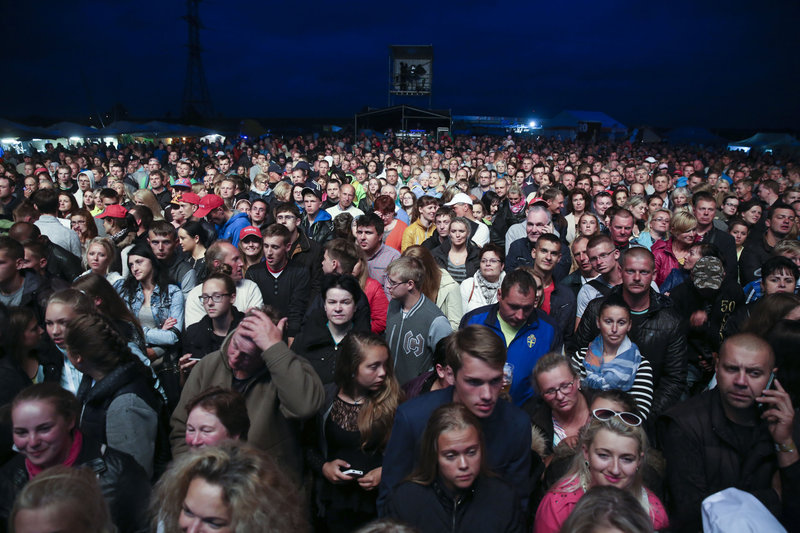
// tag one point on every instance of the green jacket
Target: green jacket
(279, 396)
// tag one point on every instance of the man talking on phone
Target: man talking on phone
(742, 434)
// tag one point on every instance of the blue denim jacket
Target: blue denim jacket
(163, 307)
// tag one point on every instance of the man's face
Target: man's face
(6, 190)
(640, 176)
(153, 164)
(224, 165)
(162, 245)
(527, 165)
(391, 176)
(8, 267)
(536, 224)
(742, 190)
(568, 180)
(368, 239)
(637, 274)
(661, 184)
(603, 257)
(501, 187)
(484, 178)
(463, 210)
(227, 190)
(311, 204)
(556, 204)
(244, 357)
(184, 169)
(705, 211)
(742, 375)
(258, 213)
(602, 204)
(546, 255)
(361, 175)
(187, 209)
(155, 182)
(516, 306)
(332, 190)
(63, 175)
(477, 386)
(580, 255)
(621, 229)
(781, 221)
(443, 225)
(83, 182)
(346, 196)
(287, 220)
(275, 252)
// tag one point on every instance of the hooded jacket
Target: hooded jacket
(283, 393)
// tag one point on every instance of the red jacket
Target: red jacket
(665, 259)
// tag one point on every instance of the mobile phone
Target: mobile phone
(194, 358)
(352, 472)
(762, 407)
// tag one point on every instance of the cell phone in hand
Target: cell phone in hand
(770, 386)
(352, 472)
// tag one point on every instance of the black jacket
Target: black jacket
(320, 231)
(123, 482)
(199, 338)
(727, 247)
(488, 506)
(288, 293)
(705, 456)
(315, 343)
(61, 263)
(563, 307)
(756, 251)
(661, 338)
(473, 256)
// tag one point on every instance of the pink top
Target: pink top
(557, 505)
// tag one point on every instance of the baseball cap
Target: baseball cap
(650, 159)
(275, 167)
(309, 190)
(682, 182)
(114, 211)
(207, 204)
(220, 154)
(183, 182)
(532, 199)
(189, 198)
(249, 231)
(460, 198)
(708, 273)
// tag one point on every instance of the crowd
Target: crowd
(329, 334)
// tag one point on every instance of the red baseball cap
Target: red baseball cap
(114, 211)
(189, 198)
(249, 231)
(207, 204)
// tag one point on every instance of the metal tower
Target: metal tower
(196, 100)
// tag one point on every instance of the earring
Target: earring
(587, 464)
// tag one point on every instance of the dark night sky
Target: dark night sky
(666, 64)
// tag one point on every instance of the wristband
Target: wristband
(787, 447)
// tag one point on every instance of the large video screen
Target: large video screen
(412, 69)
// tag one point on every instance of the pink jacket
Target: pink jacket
(665, 259)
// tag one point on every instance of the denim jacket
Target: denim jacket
(163, 307)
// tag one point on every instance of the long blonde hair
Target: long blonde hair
(432, 279)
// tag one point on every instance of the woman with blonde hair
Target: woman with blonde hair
(352, 430)
(282, 192)
(227, 488)
(61, 499)
(673, 252)
(148, 199)
(614, 446)
(438, 285)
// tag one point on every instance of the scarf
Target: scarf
(488, 289)
(72, 456)
(118, 236)
(619, 373)
(517, 207)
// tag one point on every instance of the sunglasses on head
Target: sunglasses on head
(630, 419)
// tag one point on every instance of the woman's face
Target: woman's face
(554, 386)
(31, 335)
(434, 181)
(374, 187)
(620, 198)
(614, 323)
(340, 306)
(215, 287)
(578, 203)
(730, 206)
(679, 199)
(141, 267)
(686, 237)
(204, 509)
(41, 435)
(491, 267)
(722, 186)
(613, 459)
(297, 194)
(203, 428)
(252, 246)
(500, 166)
(739, 233)
(372, 167)
(588, 226)
(371, 374)
(78, 224)
(654, 204)
(408, 199)
(752, 215)
(477, 211)
(639, 211)
(97, 259)
(660, 223)
(459, 456)
(56, 318)
(187, 241)
(458, 234)
(64, 203)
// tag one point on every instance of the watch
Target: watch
(786, 447)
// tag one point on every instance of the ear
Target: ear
(20, 263)
(441, 371)
(585, 452)
(449, 375)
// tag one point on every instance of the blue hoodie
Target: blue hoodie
(230, 230)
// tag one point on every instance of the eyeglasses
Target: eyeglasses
(489, 261)
(392, 283)
(216, 298)
(731, 204)
(564, 388)
(630, 419)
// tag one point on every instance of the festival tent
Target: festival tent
(21, 132)
(570, 124)
(767, 142)
(402, 117)
(692, 135)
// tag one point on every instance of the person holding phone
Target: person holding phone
(345, 446)
(722, 438)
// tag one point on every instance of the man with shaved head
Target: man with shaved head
(60, 263)
(741, 434)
